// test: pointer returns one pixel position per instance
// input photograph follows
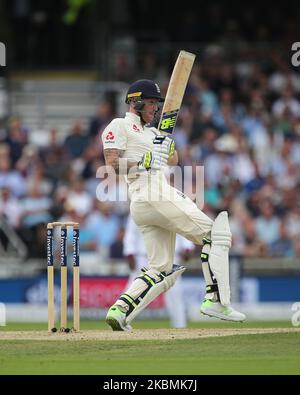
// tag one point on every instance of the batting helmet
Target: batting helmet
(144, 89)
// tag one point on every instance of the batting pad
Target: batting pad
(218, 257)
(156, 290)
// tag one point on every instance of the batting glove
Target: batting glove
(153, 160)
(164, 144)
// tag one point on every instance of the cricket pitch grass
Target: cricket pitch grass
(151, 349)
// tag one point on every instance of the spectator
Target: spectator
(267, 224)
(219, 166)
(103, 116)
(105, 223)
(243, 167)
(35, 207)
(286, 102)
(116, 248)
(16, 138)
(56, 164)
(293, 222)
(88, 233)
(10, 208)
(283, 246)
(11, 178)
(35, 216)
(77, 141)
(79, 198)
(254, 246)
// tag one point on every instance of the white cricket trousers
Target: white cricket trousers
(161, 211)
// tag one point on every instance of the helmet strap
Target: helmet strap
(138, 105)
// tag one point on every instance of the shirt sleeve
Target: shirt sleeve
(114, 136)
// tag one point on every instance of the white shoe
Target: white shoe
(217, 310)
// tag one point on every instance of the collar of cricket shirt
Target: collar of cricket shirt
(134, 118)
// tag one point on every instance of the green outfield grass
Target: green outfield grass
(241, 354)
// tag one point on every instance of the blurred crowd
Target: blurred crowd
(240, 120)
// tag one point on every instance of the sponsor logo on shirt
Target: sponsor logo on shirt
(110, 136)
(135, 128)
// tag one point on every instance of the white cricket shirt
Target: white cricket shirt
(129, 135)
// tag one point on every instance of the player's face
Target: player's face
(149, 110)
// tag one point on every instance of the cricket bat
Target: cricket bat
(175, 92)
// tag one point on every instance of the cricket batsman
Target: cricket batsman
(139, 152)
